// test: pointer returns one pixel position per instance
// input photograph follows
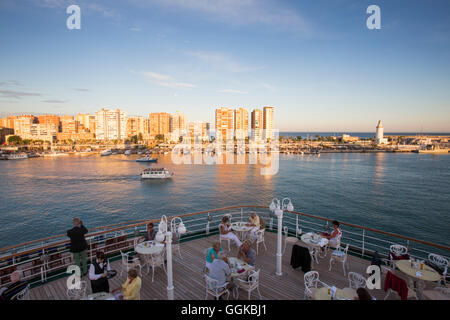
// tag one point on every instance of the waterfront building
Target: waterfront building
(159, 124)
(22, 124)
(349, 138)
(379, 136)
(62, 136)
(50, 119)
(135, 126)
(177, 126)
(85, 122)
(39, 131)
(8, 122)
(110, 124)
(241, 123)
(5, 132)
(199, 130)
(224, 123)
(257, 124)
(268, 122)
(68, 124)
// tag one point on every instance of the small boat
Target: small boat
(106, 153)
(146, 159)
(17, 156)
(127, 152)
(55, 154)
(156, 173)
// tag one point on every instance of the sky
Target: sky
(315, 61)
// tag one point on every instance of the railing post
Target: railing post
(242, 214)
(271, 224)
(363, 237)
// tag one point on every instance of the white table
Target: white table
(241, 228)
(100, 296)
(148, 248)
(314, 241)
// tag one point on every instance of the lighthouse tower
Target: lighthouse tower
(379, 137)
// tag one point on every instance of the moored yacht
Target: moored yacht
(146, 159)
(106, 153)
(17, 156)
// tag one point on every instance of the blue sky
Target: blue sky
(314, 60)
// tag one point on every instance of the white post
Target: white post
(279, 241)
(169, 265)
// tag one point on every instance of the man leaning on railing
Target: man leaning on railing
(78, 244)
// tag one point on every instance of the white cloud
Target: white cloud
(165, 80)
(233, 91)
(17, 94)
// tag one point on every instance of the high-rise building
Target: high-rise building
(257, 124)
(268, 122)
(85, 122)
(135, 126)
(224, 123)
(199, 130)
(159, 124)
(68, 124)
(8, 122)
(177, 126)
(110, 124)
(241, 123)
(49, 119)
(22, 124)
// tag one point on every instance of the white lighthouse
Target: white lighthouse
(379, 136)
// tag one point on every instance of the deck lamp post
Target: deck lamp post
(277, 208)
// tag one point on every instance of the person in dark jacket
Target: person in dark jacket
(98, 272)
(78, 244)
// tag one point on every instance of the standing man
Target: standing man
(78, 244)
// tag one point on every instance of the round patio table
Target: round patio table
(241, 228)
(316, 242)
(148, 248)
(417, 274)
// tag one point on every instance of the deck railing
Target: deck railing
(45, 259)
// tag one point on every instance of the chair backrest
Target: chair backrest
(211, 284)
(23, 295)
(253, 279)
(311, 278)
(438, 260)
(398, 250)
(286, 231)
(124, 257)
(260, 235)
(158, 258)
(262, 223)
(355, 280)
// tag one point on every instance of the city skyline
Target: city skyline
(318, 64)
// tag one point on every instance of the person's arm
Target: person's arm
(108, 267)
(92, 275)
(83, 229)
(222, 230)
(333, 234)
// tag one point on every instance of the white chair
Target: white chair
(156, 260)
(312, 283)
(260, 239)
(355, 280)
(251, 284)
(128, 263)
(212, 287)
(77, 294)
(340, 256)
(396, 250)
(23, 295)
(441, 262)
(224, 239)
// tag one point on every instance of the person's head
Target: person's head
(132, 274)
(150, 226)
(100, 256)
(246, 245)
(252, 214)
(15, 276)
(225, 219)
(363, 294)
(335, 224)
(76, 222)
(216, 246)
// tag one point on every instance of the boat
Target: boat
(55, 154)
(156, 173)
(127, 152)
(106, 153)
(146, 159)
(17, 156)
(432, 149)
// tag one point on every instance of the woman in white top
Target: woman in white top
(225, 231)
(335, 237)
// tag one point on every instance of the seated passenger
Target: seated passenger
(17, 285)
(130, 289)
(253, 221)
(246, 253)
(225, 231)
(335, 237)
(219, 269)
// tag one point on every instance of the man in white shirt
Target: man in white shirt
(98, 272)
(219, 269)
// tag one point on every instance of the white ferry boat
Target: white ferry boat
(156, 173)
(127, 152)
(56, 154)
(106, 153)
(17, 156)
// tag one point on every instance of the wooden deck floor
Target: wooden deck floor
(189, 283)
